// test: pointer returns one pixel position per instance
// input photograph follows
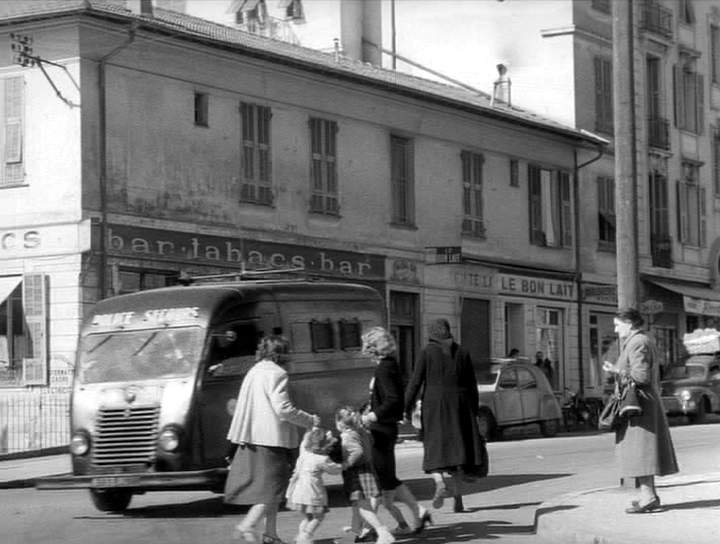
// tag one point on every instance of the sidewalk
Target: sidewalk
(690, 512)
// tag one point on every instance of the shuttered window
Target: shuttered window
(606, 210)
(550, 207)
(689, 97)
(323, 167)
(472, 177)
(13, 104)
(402, 181)
(255, 154)
(603, 95)
(691, 208)
(35, 300)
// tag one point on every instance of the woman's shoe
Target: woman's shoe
(439, 496)
(425, 520)
(638, 508)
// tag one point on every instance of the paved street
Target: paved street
(525, 471)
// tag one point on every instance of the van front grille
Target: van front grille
(125, 436)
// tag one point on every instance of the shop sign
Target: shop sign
(700, 306)
(529, 286)
(651, 307)
(16, 243)
(139, 242)
(536, 287)
(447, 254)
(601, 294)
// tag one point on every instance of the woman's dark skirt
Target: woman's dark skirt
(258, 475)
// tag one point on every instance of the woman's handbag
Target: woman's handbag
(622, 405)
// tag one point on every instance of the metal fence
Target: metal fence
(34, 420)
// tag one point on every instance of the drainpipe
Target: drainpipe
(578, 268)
(102, 143)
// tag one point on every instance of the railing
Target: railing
(656, 19)
(658, 133)
(33, 420)
(661, 250)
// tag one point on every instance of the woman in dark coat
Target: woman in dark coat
(386, 410)
(445, 379)
(643, 444)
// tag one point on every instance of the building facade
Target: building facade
(145, 144)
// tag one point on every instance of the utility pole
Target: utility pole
(626, 242)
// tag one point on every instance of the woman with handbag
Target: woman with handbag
(444, 379)
(643, 444)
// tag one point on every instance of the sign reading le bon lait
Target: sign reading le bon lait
(139, 242)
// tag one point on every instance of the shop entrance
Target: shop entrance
(475, 330)
(403, 326)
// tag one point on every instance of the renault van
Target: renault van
(158, 373)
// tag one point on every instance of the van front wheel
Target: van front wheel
(110, 500)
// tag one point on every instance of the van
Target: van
(158, 373)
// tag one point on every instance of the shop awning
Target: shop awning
(692, 291)
(8, 285)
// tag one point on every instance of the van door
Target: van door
(230, 355)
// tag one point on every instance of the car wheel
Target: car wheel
(549, 427)
(486, 425)
(700, 415)
(110, 500)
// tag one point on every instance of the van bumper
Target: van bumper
(210, 479)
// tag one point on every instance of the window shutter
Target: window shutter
(701, 217)
(35, 299)
(682, 212)
(700, 103)
(678, 102)
(565, 209)
(599, 86)
(535, 205)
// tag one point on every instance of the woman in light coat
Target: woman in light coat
(266, 426)
(644, 447)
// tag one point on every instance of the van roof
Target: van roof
(209, 297)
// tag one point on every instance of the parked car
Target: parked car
(693, 387)
(513, 392)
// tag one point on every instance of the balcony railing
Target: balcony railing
(661, 250)
(656, 19)
(658, 134)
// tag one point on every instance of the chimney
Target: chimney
(502, 86)
(141, 7)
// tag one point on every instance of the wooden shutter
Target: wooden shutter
(682, 212)
(678, 95)
(535, 205)
(35, 300)
(699, 103)
(701, 217)
(565, 209)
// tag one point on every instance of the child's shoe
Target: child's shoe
(366, 535)
(384, 536)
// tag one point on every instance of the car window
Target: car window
(525, 379)
(714, 372)
(508, 379)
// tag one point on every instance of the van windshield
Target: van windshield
(140, 355)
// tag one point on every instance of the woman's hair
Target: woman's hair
(272, 347)
(378, 342)
(318, 440)
(630, 315)
(348, 416)
(439, 329)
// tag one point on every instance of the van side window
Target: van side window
(322, 335)
(350, 333)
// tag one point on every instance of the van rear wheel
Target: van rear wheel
(110, 500)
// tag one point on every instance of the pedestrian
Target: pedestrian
(384, 412)
(643, 444)
(545, 364)
(266, 427)
(306, 491)
(453, 448)
(359, 481)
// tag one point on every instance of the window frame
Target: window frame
(202, 109)
(324, 197)
(714, 37)
(604, 101)
(607, 234)
(689, 89)
(256, 154)
(560, 213)
(473, 223)
(692, 213)
(402, 181)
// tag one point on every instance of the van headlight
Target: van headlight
(79, 443)
(685, 394)
(169, 439)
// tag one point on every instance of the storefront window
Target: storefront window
(549, 341)
(667, 347)
(603, 347)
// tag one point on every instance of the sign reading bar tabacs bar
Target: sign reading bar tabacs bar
(139, 242)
